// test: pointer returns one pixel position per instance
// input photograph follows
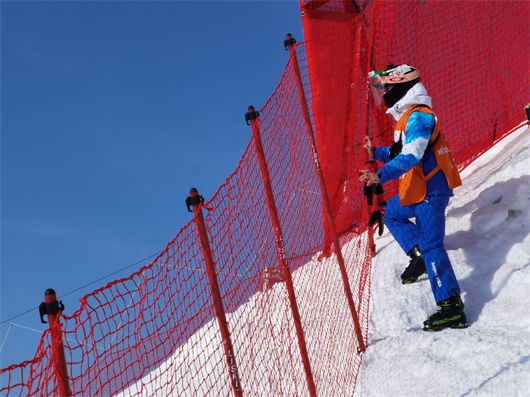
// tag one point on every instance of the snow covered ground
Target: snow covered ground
(488, 241)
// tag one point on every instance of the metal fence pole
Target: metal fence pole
(52, 307)
(196, 201)
(325, 200)
(252, 117)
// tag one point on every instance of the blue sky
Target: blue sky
(110, 113)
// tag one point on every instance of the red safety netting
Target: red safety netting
(472, 56)
(157, 332)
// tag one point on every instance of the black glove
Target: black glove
(377, 216)
(369, 192)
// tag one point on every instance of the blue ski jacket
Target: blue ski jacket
(416, 136)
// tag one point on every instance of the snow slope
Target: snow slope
(488, 241)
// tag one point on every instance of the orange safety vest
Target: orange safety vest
(413, 184)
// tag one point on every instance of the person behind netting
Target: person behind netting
(422, 161)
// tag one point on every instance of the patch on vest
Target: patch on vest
(443, 150)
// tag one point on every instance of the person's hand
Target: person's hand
(370, 178)
(367, 144)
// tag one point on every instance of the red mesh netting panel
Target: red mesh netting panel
(159, 333)
(468, 54)
(472, 55)
(338, 87)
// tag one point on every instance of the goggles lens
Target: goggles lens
(377, 84)
(382, 80)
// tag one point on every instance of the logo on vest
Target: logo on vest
(443, 150)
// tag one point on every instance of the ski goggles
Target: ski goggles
(382, 81)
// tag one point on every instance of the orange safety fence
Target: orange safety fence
(252, 297)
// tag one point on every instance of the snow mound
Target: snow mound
(488, 241)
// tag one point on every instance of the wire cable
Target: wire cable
(84, 286)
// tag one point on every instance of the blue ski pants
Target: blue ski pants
(428, 234)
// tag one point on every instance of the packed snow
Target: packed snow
(488, 241)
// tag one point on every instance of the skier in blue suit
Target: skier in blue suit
(422, 162)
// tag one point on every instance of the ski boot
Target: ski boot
(415, 268)
(449, 315)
